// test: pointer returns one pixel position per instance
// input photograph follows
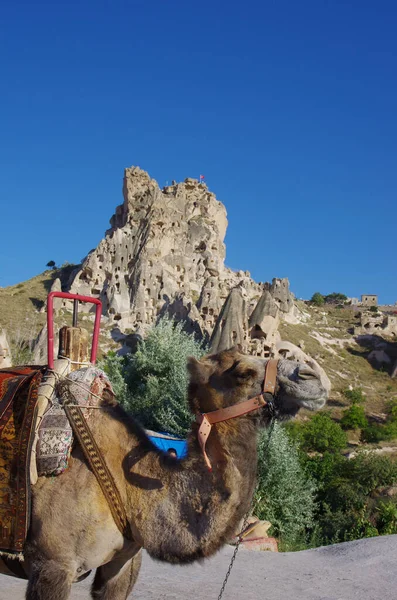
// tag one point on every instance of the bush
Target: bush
(387, 517)
(114, 367)
(156, 378)
(285, 492)
(317, 299)
(392, 409)
(356, 395)
(376, 432)
(373, 433)
(347, 490)
(322, 434)
(354, 418)
(335, 298)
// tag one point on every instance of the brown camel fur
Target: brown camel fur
(178, 510)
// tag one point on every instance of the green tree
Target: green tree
(335, 298)
(152, 382)
(51, 264)
(285, 493)
(317, 299)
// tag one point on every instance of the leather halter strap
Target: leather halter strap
(206, 420)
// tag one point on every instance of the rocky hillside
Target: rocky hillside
(164, 254)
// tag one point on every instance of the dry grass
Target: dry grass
(20, 315)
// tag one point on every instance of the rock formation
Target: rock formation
(5, 354)
(378, 322)
(164, 254)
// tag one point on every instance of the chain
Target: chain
(245, 522)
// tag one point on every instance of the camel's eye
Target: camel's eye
(242, 371)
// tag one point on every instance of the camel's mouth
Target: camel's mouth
(293, 394)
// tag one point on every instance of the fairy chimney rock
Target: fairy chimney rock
(231, 327)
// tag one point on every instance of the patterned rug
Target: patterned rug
(18, 398)
(55, 433)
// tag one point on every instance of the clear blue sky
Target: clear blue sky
(288, 108)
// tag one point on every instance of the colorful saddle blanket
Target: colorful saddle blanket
(18, 400)
(55, 433)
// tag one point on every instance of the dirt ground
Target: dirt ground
(362, 570)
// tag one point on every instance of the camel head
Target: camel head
(229, 377)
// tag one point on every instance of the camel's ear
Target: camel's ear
(199, 371)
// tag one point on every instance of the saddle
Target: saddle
(36, 437)
(18, 414)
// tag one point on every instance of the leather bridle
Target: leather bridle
(206, 420)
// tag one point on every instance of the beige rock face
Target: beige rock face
(162, 245)
(5, 354)
(164, 254)
(376, 323)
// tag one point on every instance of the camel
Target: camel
(179, 511)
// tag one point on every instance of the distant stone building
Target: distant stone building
(369, 299)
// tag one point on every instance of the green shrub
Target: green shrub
(317, 299)
(376, 432)
(335, 298)
(392, 409)
(355, 395)
(387, 517)
(354, 418)
(156, 378)
(373, 433)
(322, 434)
(285, 492)
(114, 367)
(347, 490)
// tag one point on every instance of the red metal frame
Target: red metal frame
(50, 323)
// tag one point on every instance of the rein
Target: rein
(206, 420)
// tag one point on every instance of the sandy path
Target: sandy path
(362, 570)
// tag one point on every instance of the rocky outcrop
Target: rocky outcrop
(5, 354)
(161, 244)
(232, 326)
(376, 322)
(164, 254)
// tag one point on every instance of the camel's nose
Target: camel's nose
(305, 372)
